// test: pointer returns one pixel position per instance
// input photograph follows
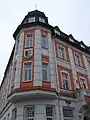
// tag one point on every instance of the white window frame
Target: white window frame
(45, 39)
(53, 112)
(26, 43)
(69, 85)
(31, 19)
(64, 52)
(81, 86)
(69, 118)
(41, 20)
(79, 62)
(31, 117)
(47, 71)
(24, 73)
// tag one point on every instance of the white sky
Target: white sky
(72, 17)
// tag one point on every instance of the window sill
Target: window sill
(28, 47)
(63, 60)
(45, 48)
(46, 81)
(80, 67)
(27, 81)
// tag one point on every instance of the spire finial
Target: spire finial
(35, 6)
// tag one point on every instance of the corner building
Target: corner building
(47, 76)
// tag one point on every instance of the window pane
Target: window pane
(65, 84)
(27, 71)
(29, 113)
(29, 40)
(61, 53)
(27, 65)
(49, 111)
(31, 19)
(77, 59)
(45, 71)
(82, 83)
(44, 41)
(65, 80)
(29, 78)
(44, 74)
(68, 112)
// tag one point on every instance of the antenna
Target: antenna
(36, 6)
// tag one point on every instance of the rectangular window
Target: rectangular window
(13, 77)
(14, 114)
(65, 79)
(82, 82)
(28, 41)
(31, 19)
(49, 113)
(61, 52)
(44, 41)
(45, 71)
(17, 45)
(41, 20)
(29, 113)
(27, 71)
(77, 59)
(68, 113)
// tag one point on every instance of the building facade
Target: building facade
(47, 76)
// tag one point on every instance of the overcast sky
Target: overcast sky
(71, 16)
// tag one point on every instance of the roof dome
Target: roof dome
(36, 12)
(35, 16)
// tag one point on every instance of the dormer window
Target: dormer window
(41, 20)
(70, 39)
(57, 32)
(31, 19)
(82, 46)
